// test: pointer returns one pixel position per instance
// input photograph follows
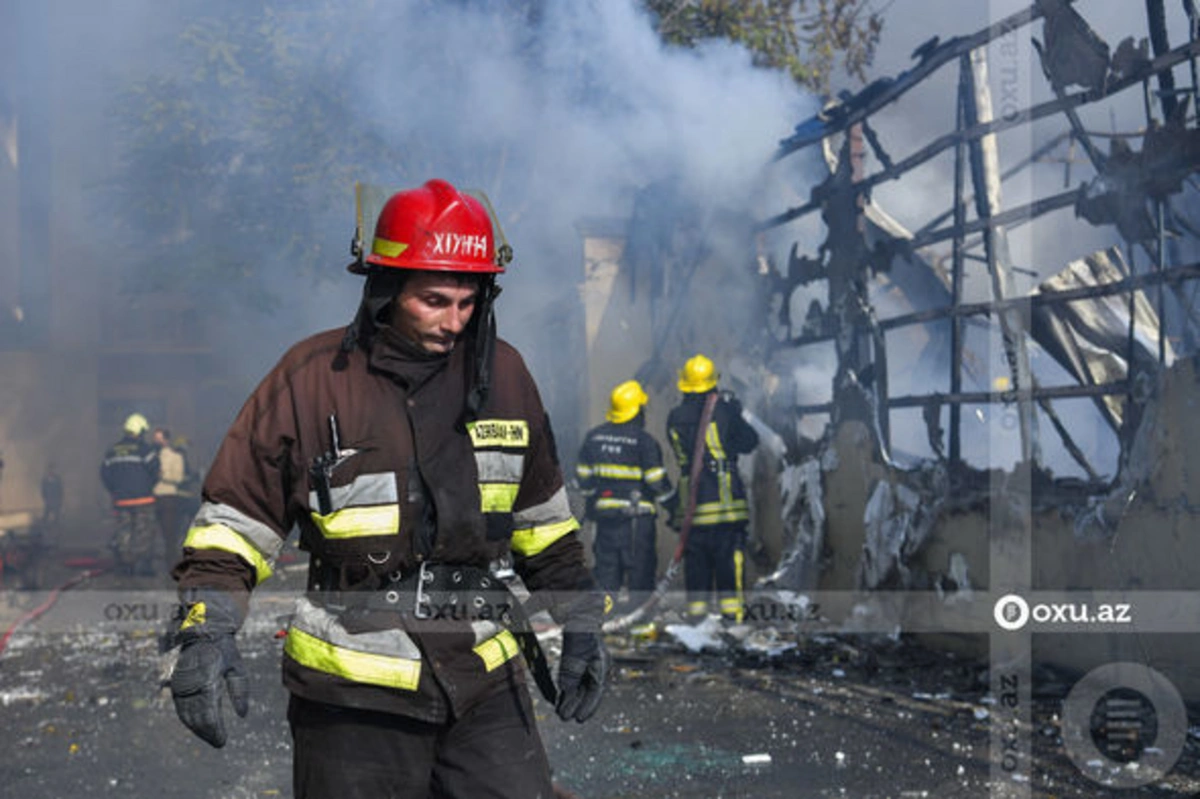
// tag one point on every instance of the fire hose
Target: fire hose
(664, 583)
(45, 606)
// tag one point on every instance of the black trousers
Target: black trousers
(625, 548)
(712, 558)
(493, 752)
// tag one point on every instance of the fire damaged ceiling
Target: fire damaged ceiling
(995, 437)
(1093, 319)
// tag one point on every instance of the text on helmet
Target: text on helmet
(459, 244)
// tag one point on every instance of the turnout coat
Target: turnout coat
(407, 482)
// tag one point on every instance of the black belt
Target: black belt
(452, 593)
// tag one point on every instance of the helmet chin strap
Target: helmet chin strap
(379, 289)
(481, 342)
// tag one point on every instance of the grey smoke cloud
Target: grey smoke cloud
(557, 123)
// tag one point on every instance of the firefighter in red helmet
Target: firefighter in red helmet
(413, 452)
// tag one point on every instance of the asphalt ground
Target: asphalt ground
(828, 715)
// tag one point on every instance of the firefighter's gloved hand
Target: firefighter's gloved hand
(582, 675)
(209, 664)
(206, 668)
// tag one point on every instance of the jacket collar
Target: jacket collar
(411, 366)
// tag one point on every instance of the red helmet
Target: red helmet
(435, 227)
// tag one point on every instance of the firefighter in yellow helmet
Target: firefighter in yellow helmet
(129, 471)
(621, 475)
(413, 453)
(714, 553)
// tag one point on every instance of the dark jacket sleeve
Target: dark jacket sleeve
(244, 517)
(741, 437)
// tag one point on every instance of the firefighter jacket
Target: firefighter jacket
(409, 484)
(171, 473)
(620, 471)
(720, 495)
(129, 471)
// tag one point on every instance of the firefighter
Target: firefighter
(413, 452)
(129, 472)
(621, 475)
(714, 553)
(168, 498)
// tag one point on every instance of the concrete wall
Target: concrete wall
(48, 413)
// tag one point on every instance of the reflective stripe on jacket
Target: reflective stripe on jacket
(620, 471)
(720, 496)
(409, 484)
(130, 470)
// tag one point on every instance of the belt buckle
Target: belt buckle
(422, 606)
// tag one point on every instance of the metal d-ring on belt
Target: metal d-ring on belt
(481, 594)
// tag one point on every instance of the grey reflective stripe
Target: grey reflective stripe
(127, 459)
(484, 630)
(366, 489)
(554, 510)
(499, 467)
(320, 623)
(260, 536)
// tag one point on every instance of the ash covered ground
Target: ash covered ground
(746, 712)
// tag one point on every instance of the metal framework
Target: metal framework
(1071, 55)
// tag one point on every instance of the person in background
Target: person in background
(52, 496)
(129, 471)
(621, 476)
(168, 503)
(188, 491)
(413, 452)
(714, 553)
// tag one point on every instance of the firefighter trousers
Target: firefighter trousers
(625, 548)
(492, 752)
(714, 558)
(134, 540)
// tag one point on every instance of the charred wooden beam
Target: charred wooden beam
(1172, 276)
(1033, 113)
(988, 397)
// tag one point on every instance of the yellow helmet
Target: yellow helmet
(698, 375)
(136, 424)
(625, 402)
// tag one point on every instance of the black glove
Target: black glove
(582, 674)
(735, 404)
(208, 656)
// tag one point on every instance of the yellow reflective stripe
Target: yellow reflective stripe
(725, 488)
(497, 650)
(499, 433)
(386, 248)
(713, 439)
(617, 471)
(739, 579)
(218, 536)
(655, 474)
(612, 503)
(715, 513)
(533, 540)
(197, 615)
(498, 497)
(583, 471)
(697, 608)
(358, 522)
(361, 667)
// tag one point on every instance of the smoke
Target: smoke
(559, 116)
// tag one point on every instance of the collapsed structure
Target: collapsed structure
(1078, 478)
